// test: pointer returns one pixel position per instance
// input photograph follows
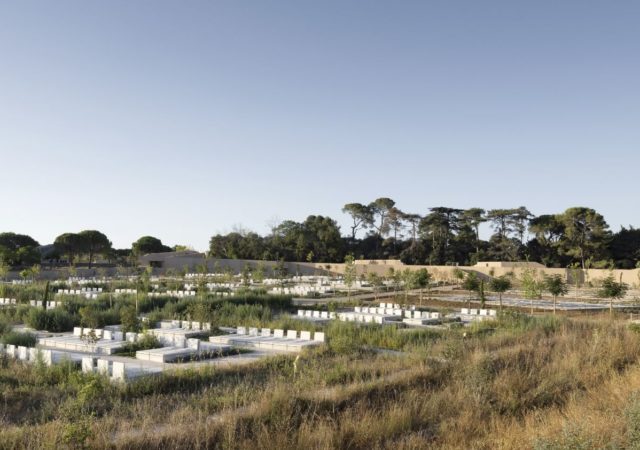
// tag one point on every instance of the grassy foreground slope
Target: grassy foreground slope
(543, 383)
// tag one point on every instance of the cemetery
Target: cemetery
(174, 341)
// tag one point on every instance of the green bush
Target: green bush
(55, 320)
(5, 326)
(16, 338)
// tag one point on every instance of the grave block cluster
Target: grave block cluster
(180, 294)
(89, 293)
(125, 291)
(384, 313)
(179, 343)
(421, 317)
(314, 315)
(264, 339)
(107, 340)
(476, 315)
(117, 371)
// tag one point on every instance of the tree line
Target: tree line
(379, 230)
(443, 236)
(19, 250)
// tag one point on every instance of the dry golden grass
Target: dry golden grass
(543, 384)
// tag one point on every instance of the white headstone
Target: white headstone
(193, 344)
(118, 371)
(88, 364)
(104, 366)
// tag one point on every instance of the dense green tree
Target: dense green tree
(361, 216)
(413, 222)
(69, 245)
(148, 244)
(439, 228)
(625, 247)
(548, 232)
(473, 218)
(380, 209)
(18, 249)
(94, 243)
(586, 234)
(510, 226)
(395, 220)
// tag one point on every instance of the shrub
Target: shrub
(21, 339)
(55, 320)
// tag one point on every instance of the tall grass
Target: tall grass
(518, 382)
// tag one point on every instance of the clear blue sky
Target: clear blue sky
(181, 119)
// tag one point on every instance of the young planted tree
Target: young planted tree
(556, 286)
(500, 285)
(349, 273)
(376, 281)
(471, 284)
(576, 276)
(531, 285)
(612, 289)
(258, 272)
(34, 271)
(129, 320)
(245, 275)
(483, 298)
(4, 270)
(280, 271)
(90, 318)
(421, 280)
(408, 280)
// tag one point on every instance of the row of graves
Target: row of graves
(96, 350)
(49, 304)
(385, 313)
(8, 302)
(316, 316)
(115, 370)
(477, 315)
(81, 281)
(302, 290)
(105, 341)
(125, 291)
(90, 293)
(179, 294)
(279, 340)
(392, 313)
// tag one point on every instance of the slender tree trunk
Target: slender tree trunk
(500, 297)
(611, 306)
(554, 304)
